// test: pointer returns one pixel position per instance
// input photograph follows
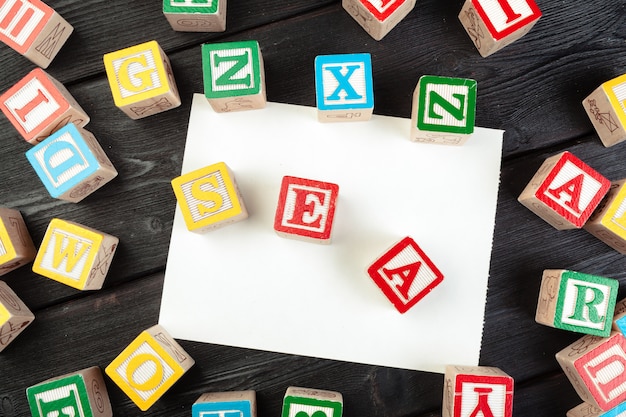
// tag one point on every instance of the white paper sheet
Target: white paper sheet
(243, 285)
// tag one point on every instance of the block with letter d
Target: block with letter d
(16, 246)
(378, 17)
(444, 110)
(605, 108)
(75, 255)
(71, 164)
(225, 404)
(78, 394)
(196, 15)
(149, 366)
(608, 221)
(234, 76)
(577, 302)
(141, 80)
(15, 316)
(306, 402)
(33, 29)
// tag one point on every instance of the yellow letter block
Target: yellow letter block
(608, 222)
(14, 315)
(149, 366)
(209, 198)
(141, 80)
(75, 255)
(16, 246)
(606, 107)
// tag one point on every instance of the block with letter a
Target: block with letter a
(225, 404)
(141, 80)
(16, 246)
(75, 255)
(477, 391)
(38, 105)
(306, 209)
(607, 112)
(608, 221)
(378, 17)
(564, 191)
(405, 274)
(71, 164)
(494, 24)
(196, 15)
(14, 315)
(306, 402)
(149, 366)
(33, 29)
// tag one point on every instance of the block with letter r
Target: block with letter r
(196, 15)
(444, 110)
(234, 76)
(225, 404)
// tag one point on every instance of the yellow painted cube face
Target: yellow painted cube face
(615, 217)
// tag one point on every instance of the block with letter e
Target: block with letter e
(78, 394)
(149, 366)
(577, 302)
(564, 191)
(75, 255)
(344, 87)
(444, 110)
(225, 404)
(39, 105)
(608, 221)
(141, 80)
(15, 316)
(234, 76)
(378, 17)
(606, 110)
(494, 24)
(196, 15)
(71, 164)
(16, 246)
(306, 402)
(33, 29)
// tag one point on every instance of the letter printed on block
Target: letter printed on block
(378, 17)
(305, 402)
(606, 108)
(16, 246)
(14, 315)
(196, 15)
(225, 404)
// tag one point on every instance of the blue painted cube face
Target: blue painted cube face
(344, 82)
(222, 409)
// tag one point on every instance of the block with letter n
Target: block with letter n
(307, 402)
(75, 255)
(16, 246)
(378, 17)
(608, 221)
(494, 24)
(564, 191)
(141, 80)
(196, 15)
(444, 110)
(225, 404)
(79, 394)
(577, 302)
(15, 316)
(234, 76)
(606, 108)
(344, 87)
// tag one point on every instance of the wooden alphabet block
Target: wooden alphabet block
(16, 246)
(605, 108)
(306, 209)
(305, 402)
(14, 315)
(209, 198)
(444, 110)
(608, 221)
(149, 366)
(619, 316)
(71, 164)
(79, 394)
(141, 80)
(38, 105)
(33, 29)
(405, 274)
(477, 391)
(196, 15)
(75, 255)
(344, 88)
(494, 24)
(225, 404)
(596, 367)
(565, 191)
(577, 302)
(378, 17)
(234, 76)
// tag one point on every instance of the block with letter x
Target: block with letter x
(608, 221)
(225, 404)
(378, 17)
(405, 274)
(196, 15)
(606, 109)
(16, 246)
(15, 316)
(234, 76)
(306, 402)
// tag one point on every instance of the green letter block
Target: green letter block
(304, 402)
(196, 15)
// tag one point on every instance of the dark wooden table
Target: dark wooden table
(533, 89)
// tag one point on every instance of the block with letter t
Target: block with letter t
(494, 24)
(608, 221)
(196, 15)
(225, 404)
(33, 29)
(378, 17)
(564, 191)
(444, 110)
(606, 110)
(16, 245)
(306, 402)
(15, 316)
(234, 76)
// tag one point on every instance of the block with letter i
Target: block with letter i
(444, 110)
(306, 402)
(75, 255)
(141, 80)
(149, 366)
(225, 404)
(577, 302)
(39, 105)
(477, 391)
(78, 394)
(33, 29)
(606, 108)
(378, 17)
(344, 87)
(14, 315)
(71, 164)
(494, 24)
(608, 221)
(234, 76)
(209, 198)
(405, 274)
(196, 15)
(16, 246)
(565, 191)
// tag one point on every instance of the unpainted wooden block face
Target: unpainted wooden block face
(14, 315)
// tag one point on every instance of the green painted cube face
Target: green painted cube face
(65, 396)
(294, 406)
(191, 6)
(446, 104)
(231, 69)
